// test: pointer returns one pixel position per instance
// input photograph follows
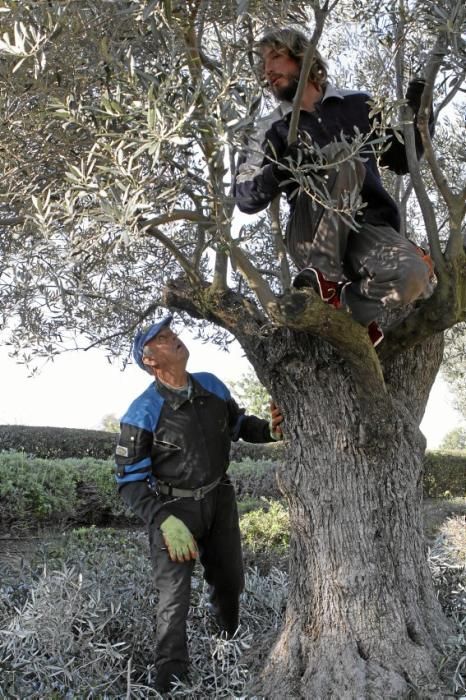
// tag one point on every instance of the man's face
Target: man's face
(281, 72)
(166, 351)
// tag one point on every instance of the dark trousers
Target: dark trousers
(382, 268)
(214, 523)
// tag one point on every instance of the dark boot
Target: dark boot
(375, 333)
(225, 611)
(327, 290)
(169, 673)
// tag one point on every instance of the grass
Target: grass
(77, 620)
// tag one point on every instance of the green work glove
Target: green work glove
(179, 540)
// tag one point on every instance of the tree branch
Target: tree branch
(190, 271)
(130, 328)
(178, 215)
(448, 98)
(426, 206)
(454, 202)
(434, 315)
(320, 15)
(235, 313)
(254, 279)
(220, 270)
(305, 311)
(274, 211)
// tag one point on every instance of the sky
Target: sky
(79, 388)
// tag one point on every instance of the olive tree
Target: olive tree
(122, 125)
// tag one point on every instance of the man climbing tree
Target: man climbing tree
(343, 232)
(122, 127)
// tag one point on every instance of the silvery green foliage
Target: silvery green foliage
(122, 126)
(250, 393)
(81, 623)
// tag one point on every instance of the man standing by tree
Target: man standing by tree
(343, 231)
(172, 459)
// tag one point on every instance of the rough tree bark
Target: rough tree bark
(362, 619)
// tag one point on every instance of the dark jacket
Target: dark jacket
(340, 111)
(182, 442)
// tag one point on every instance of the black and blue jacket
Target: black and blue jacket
(346, 112)
(184, 442)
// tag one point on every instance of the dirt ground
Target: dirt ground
(437, 514)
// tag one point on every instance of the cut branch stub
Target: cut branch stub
(222, 307)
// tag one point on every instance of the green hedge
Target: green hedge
(37, 492)
(44, 492)
(60, 443)
(445, 474)
(57, 443)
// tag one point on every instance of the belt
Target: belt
(197, 494)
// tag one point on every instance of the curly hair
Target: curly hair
(295, 44)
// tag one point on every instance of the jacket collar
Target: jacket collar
(330, 91)
(176, 400)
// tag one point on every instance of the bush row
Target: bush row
(35, 491)
(57, 443)
(60, 443)
(444, 471)
(44, 492)
(445, 474)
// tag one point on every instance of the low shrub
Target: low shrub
(267, 528)
(248, 504)
(445, 474)
(36, 489)
(255, 478)
(36, 492)
(60, 443)
(42, 492)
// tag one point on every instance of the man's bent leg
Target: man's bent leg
(173, 582)
(330, 242)
(387, 272)
(222, 559)
(317, 235)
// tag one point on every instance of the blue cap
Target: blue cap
(144, 335)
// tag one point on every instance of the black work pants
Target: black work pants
(382, 268)
(214, 523)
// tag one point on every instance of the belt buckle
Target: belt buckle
(153, 484)
(198, 494)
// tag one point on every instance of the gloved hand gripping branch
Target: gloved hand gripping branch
(180, 543)
(297, 155)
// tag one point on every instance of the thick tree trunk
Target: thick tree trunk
(362, 619)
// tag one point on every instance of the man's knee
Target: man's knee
(414, 281)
